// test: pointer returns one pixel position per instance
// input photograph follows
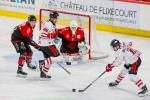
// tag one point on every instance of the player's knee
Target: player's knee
(124, 71)
(133, 77)
(29, 54)
(24, 54)
(41, 63)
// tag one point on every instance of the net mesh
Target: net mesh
(84, 21)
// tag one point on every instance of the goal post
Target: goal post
(84, 21)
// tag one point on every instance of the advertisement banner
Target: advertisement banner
(22, 6)
(103, 11)
(106, 12)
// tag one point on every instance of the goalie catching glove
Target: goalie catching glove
(83, 48)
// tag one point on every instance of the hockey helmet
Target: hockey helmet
(114, 43)
(31, 18)
(53, 15)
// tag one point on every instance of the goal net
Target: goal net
(85, 21)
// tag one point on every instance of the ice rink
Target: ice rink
(61, 84)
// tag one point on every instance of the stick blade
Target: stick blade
(80, 90)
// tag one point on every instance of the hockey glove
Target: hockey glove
(83, 48)
(109, 67)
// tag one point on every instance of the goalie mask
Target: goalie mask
(73, 26)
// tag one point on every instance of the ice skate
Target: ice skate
(44, 77)
(143, 92)
(113, 84)
(20, 73)
(30, 66)
(68, 63)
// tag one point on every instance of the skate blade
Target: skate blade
(112, 86)
(143, 95)
(21, 76)
(37, 69)
(45, 79)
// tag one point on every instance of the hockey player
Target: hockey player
(47, 40)
(21, 39)
(73, 42)
(125, 53)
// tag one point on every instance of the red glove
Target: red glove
(109, 67)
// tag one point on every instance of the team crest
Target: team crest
(67, 36)
(78, 36)
(28, 31)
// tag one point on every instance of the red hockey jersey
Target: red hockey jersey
(67, 34)
(70, 41)
(26, 29)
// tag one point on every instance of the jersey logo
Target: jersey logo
(67, 36)
(78, 36)
(28, 31)
(45, 30)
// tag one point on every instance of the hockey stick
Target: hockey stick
(92, 82)
(64, 68)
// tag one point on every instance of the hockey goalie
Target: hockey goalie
(73, 47)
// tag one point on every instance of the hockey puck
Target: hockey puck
(73, 90)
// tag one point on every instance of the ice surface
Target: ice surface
(61, 84)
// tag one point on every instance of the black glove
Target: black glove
(39, 48)
(43, 49)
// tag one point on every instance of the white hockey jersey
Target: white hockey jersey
(126, 54)
(48, 34)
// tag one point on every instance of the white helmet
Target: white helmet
(73, 26)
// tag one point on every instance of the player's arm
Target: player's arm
(135, 52)
(135, 55)
(127, 45)
(30, 41)
(27, 35)
(118, 60)
(48, 31)
(57, 38)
